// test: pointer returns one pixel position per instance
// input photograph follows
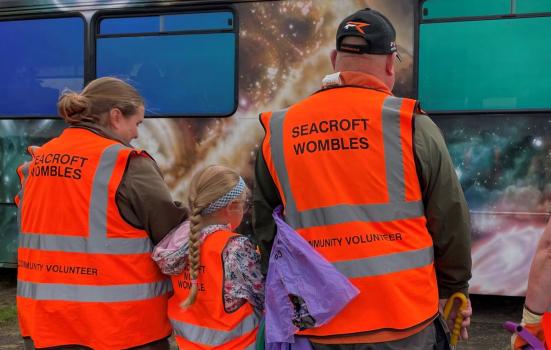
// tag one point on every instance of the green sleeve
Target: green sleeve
(445, 208)
(144, 200)
(265, 200)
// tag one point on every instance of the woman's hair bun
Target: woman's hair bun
(73, 107)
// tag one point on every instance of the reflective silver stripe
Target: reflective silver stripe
(87, 293)
(75, 244)
(212, 337)
(393, 150)
(396, 209)
(97, 241)
(278, 157)
(100, 189)
(349, 213)
(25, 171)
(382, 265)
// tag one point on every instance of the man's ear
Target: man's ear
(333, 58)
(390, 59)
(115, 117)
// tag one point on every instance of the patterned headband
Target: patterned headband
(225, 199)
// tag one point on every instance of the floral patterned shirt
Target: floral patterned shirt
(243, 280)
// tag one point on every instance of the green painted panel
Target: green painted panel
(485, 65)
(533, 6)
(465, 8)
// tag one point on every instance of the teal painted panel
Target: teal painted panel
(485, 65)
(465, 8)
(533, 6)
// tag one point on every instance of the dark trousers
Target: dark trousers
(156, 345)
(433, 337)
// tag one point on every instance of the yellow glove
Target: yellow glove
(532, 323)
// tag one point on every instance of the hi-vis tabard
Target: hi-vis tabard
(343, 163)
(206, 324)
(547, 327)
(85, 276)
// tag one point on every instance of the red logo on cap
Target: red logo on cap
(357, 25)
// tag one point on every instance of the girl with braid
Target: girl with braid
(218, 287)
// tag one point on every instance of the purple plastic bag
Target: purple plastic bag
(297, 268)
(300, 343)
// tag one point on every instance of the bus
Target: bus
(207, 68)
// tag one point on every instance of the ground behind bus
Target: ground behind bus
(485, 334)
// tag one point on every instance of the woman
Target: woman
(90, 207)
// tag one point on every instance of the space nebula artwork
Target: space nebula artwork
(283, 54)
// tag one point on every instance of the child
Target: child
(218, 287)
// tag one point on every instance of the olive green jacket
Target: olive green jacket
(143, 198)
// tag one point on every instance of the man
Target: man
(366, 178)
(536, 316)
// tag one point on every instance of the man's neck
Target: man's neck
(357, 79)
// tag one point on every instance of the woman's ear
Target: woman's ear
(115, 118)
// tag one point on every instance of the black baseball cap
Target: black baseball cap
(373, 27)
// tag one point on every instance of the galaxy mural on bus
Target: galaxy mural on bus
(284, 49)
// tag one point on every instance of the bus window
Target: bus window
(168, 23)
(40, 58)
(183, 64)
(533, 6)
(485, 65)
(433, 9)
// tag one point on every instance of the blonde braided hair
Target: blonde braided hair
(206, 187)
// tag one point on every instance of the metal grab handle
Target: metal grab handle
(459, 318)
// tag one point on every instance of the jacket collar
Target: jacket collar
(101, 131)
(351, 78)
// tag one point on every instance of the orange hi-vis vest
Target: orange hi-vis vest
(547, 327)
(206, 324)
(85, 276)
(343, 163)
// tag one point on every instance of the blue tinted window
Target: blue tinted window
(184, 74)
(45, 56)
(167, 23)
(131, 25)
